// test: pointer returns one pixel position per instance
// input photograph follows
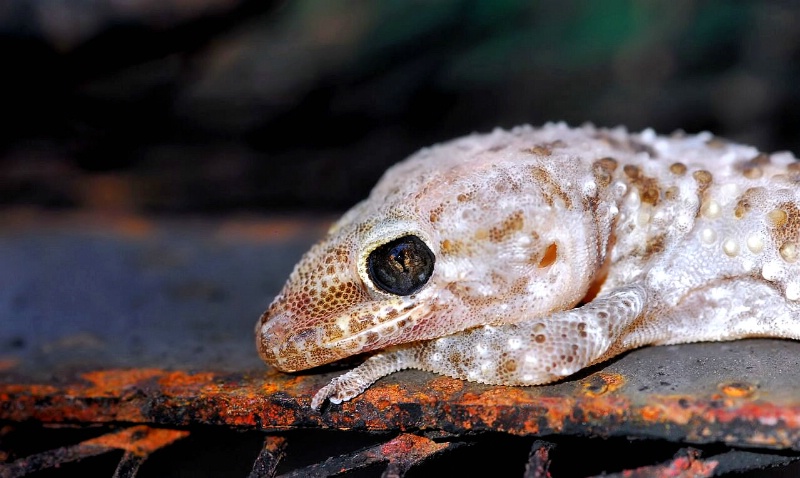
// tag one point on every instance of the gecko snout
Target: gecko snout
(288, 347)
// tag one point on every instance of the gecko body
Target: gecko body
(520, 257)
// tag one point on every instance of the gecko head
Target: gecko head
(360, 289)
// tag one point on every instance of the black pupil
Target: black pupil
(401, 266)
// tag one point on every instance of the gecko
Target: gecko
(519, 257)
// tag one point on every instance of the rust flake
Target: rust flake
(140, 440)
(601, 383)
(112, 383)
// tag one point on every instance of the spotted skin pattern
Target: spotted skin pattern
(555, 248)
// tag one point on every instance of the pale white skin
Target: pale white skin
(555, 248)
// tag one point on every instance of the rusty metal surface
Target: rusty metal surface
(137, 443)
(141, 322)
(605, 402)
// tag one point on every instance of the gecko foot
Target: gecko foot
(346, 386)
(340, 389)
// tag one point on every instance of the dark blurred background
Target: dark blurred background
(227, 106)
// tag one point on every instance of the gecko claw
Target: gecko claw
(340, 389)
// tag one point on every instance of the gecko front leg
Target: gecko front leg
(528, 353)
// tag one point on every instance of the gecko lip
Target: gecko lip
(289, 347)
(279, 343)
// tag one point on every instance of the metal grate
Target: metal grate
(142, 451)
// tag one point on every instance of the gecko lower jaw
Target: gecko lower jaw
(286, 347)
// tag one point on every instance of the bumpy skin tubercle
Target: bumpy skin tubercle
(469, 258)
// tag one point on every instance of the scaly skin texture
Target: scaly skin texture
(662, 240)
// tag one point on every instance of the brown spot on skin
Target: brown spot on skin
(752, 173)
(703, 179)
(786, 223)
(778, 217)
(540, 338)
(465, 197)
(751, 169)
(550, 187)
(603, 170)
(332, 332)
(355, 325)
(539, 150)
(655, 245)
(647, 186)
(607, 163)
(761, 159)
(549, 257)
(446, 246)
(509, 226)
(544, 149)
(745, 202)
(790, 251)
(671, 193)
(372, 338)
(678, 169)
(716, 143)
(436, 213)
(509, 366)
(454, 247)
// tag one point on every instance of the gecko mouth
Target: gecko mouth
(284, 346)
(382, 332)
(284, 343)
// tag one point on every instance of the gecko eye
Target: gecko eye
(401, 266)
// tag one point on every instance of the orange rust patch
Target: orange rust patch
(738, 389)
(601, 383)
(8, 363)
(140, 440)
(174, 382)
(411, 447)
(112, 382)
(651, 413)
(446, 385)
